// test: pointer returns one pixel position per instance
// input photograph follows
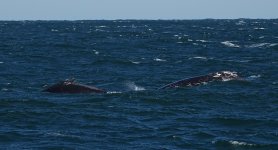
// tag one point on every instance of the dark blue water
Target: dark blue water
(131, 59)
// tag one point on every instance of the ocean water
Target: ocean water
(132, 59)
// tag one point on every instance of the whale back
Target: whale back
(72, 87)
(194, 81)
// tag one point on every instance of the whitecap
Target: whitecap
(132, 86)
(101, 26)
(99, 30)
(96, 52)
(4, 89)
(241, 22)
(199, 57)
(230, 44)
(158, 59)
(259, 28)
(261, 45)
(253, 77)
(54, 30)
(135, 62)
(239, 61)
(195, 44)
(210, 28)
(1, 62)
(55, 134)
(114, 92)
(203, 41)
(273, 44)
(237, 143)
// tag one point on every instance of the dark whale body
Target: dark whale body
(70, 86)
(217, 76)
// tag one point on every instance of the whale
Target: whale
(70, 86)
(198, 80)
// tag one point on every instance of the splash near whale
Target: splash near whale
(70, 86)
(194, 81)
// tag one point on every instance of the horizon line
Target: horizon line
(138, 19)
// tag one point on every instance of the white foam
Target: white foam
(259, 28)
(96, 52)
(230, 44)
(135, 62)
(101, 26)
(241, 22)
(54, 30)
(273, 44)
(252, 77)
(55, 134)
(132, 86)
(99, 30)
(260, 45)
(113, 92)
(199, 57)
(237, 143)
(195, 44)
(240, 61)
(203, 41)
(4, 89)
(1, 62)
(158, 59)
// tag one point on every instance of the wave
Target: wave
(237, 143)
(233, 143)
(135, 62)
(203, 41)
(259, 28)
(114, 92)
(158, 59)
(262, 45)
(4, 89)
(57, 134)
(96, 52)
(230, 44)
(253, 77)
(198, 57)
(241, 22)
(54, 30)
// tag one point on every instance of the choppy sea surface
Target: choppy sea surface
(132, 59)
